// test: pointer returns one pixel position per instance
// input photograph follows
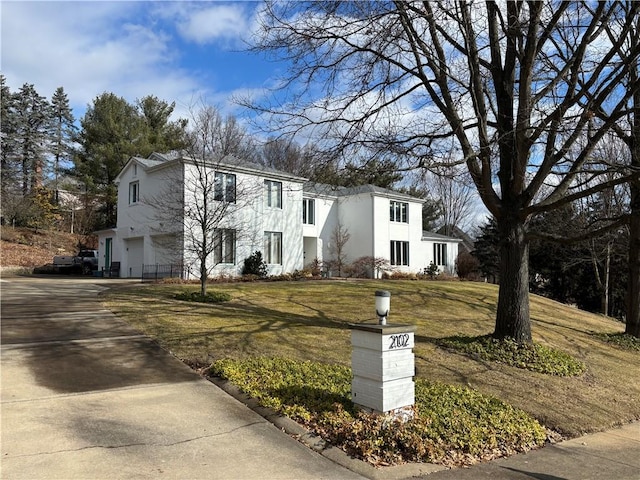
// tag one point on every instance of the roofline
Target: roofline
(436, 236)
(333, 191)
(221, 165)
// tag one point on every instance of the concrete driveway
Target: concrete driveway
(85, 396)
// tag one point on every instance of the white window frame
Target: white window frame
(399, 211)
(224, 246)
(440, 254)
(399, 253)
(273, 248)
(224, 188)
(273, 193)
(134, 192)
(308, 211)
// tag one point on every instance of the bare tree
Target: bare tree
(339, 237)
(198, 213)
(455, 194)
(511, 86)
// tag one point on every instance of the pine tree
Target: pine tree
(8, 150)
(63, 131)
(31, 133)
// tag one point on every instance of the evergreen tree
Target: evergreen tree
(110, 131)
(486, 250)
(161, 134)
(31, 135)
(63, 132)
(8, 145)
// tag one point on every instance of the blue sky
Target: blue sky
(183, 52)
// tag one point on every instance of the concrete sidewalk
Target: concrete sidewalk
(610, 455)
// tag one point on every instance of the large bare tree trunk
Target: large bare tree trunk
(512, 317)
(633, 289)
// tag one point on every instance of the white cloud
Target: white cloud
(219, 22)
(125, 48)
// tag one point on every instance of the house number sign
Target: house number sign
(398, 341)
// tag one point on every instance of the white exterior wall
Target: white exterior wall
(326, 217)
(452, 253)
(386, 231)
(141, 223)
(250, 217)
(355, 213)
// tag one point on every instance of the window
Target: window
(308, 211)
(224, 187)
(399, 253)
(273, 193)
(399, 212)
(224, 245)
(440, 254)
(273, 247)
(134, 192)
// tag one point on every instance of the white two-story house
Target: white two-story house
(380, 223)
(253, 208)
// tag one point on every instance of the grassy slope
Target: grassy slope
(309, 320)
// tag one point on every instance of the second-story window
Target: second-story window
(273, 193)
(308, 211)
(399, 212)
(224, 189)
(134, 193)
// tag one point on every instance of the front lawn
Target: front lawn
(308, 321)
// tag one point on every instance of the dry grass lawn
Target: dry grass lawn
(309, 320)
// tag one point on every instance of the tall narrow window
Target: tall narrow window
(399, 212)
(273, 248)
(224, 187)
(134, 193)
(224, 245)
(440, 254)
(308, 211)
(399, 253)
(273, 193)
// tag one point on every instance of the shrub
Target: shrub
(451, 425)
(255, 265)
(210, 297)
(622, 340)
(431, 270)
(529, 356)
(315, 267)
(367, 267)
(467, 266)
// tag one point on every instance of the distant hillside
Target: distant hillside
(24, 247)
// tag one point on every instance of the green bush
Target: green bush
(451, 425)
(210, 297)
(529, 356)
(622, 340)
(255, 265)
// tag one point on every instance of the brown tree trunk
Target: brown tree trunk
(633, 288)
(512, 316)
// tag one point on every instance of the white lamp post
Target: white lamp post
(383, 302)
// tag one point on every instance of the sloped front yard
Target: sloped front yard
(308, 320)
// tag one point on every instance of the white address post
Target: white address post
(383, 363)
